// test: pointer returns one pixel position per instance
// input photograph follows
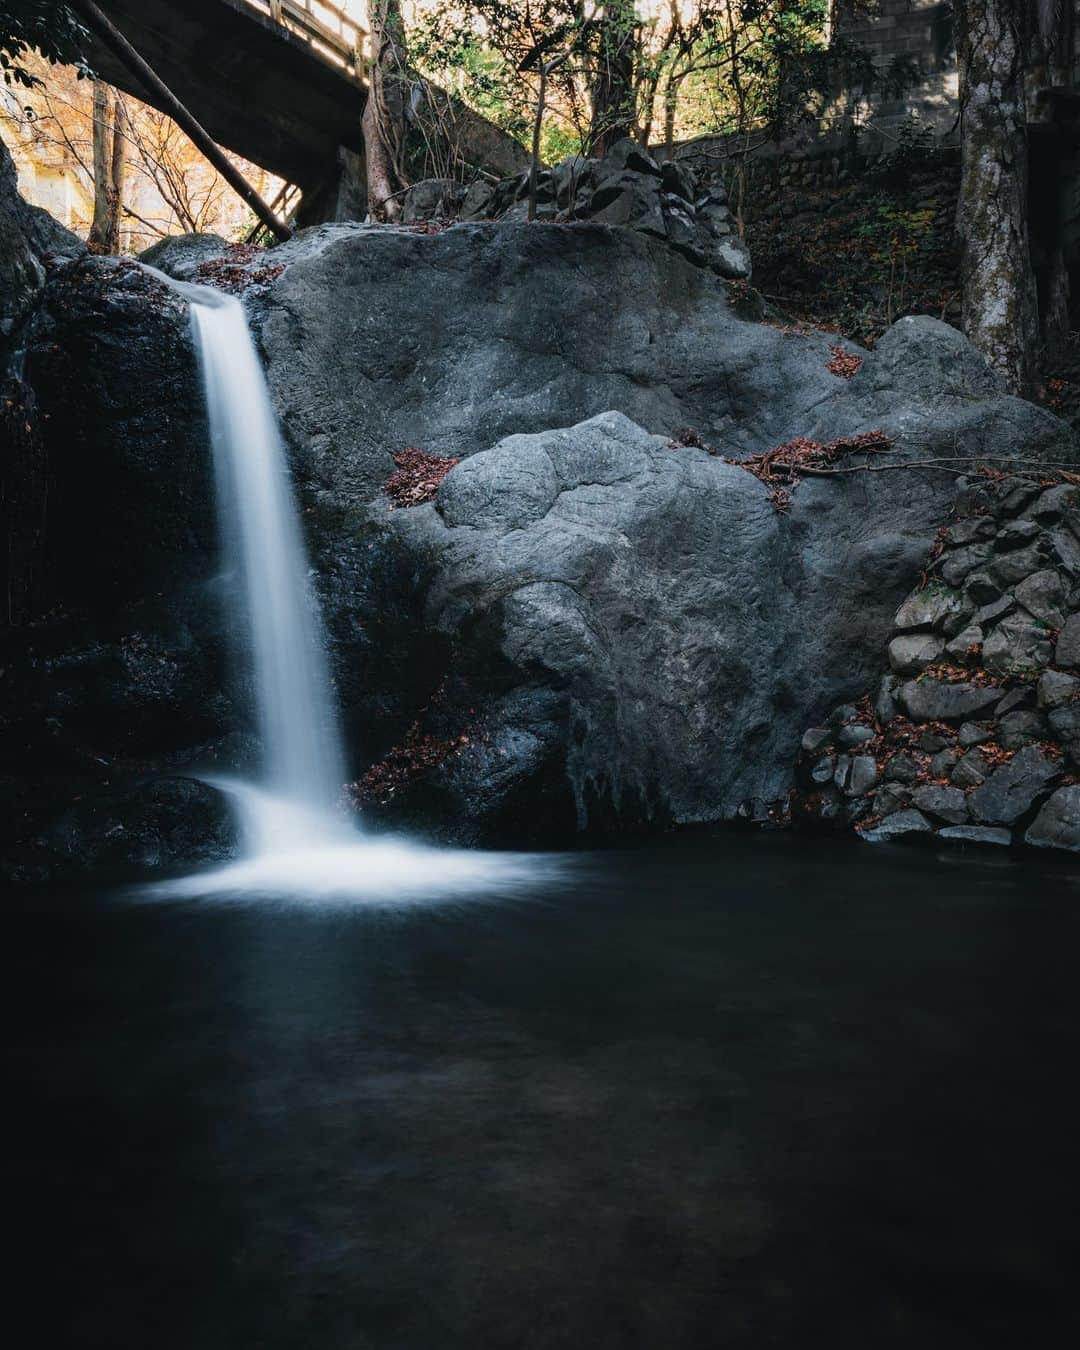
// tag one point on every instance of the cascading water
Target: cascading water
(262, 543)
(296, 839)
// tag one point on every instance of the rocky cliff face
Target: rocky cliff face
(597, 621)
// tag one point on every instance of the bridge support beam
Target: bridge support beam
(340, 195)
(168, 102)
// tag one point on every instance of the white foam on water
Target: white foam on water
(293, 853)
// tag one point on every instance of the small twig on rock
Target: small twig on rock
(782, 469)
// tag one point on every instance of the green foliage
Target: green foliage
(715, 66)
(46, 26)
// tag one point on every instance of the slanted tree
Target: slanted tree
(384, 121)
(1000, 304)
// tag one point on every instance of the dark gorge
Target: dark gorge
(540, 793)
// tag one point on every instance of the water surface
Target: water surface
(719, 1094)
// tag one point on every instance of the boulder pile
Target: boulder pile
(974, 734)
(627, 188)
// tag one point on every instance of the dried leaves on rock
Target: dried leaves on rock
(417, 476)
(418, 755)
(233, 271)
(843, 364)
(783, 469)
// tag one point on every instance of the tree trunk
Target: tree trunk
(1000, 307)
(384, 114)
(99, 226)
(110, 154)
(613, 102)
(117, 164)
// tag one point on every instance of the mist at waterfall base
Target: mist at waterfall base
(295, 837)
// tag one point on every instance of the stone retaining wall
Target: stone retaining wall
(974, 732)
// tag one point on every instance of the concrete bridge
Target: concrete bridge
(277, 81)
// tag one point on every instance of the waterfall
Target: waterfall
(297, 844)
(273, 603)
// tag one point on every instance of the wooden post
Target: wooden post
(170, 104)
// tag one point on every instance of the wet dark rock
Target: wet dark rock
(965, 642)
(885, 706)
(815, 739)
(1023, 696)
(630, 207)
(863, 776)
(1056, 689)
(971, 530)
(942, 764)
(1066, 549)
(1016, 534)
(970, 771)
(1021, 728)
(956, 565)
(1012, 789)
(944, 803)
(890, 797)
(1067, 650)
(936, 607)
(1051, 506)
(902, 769)
(911, 652)
(823, 770)
(1043, 595)
(973, 733)
(161, 826)
(1018, 645)
(1005, 571)
(899, 825)
(997, 609)
(854, 735)
(977, 834)
(1058, 823)
(1065, 722)
(679, 179)
(932, 700)
(983, 591)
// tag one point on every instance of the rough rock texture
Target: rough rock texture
(30, 239)
(160, 826)
(627, 188)
(181, 255)
(983, 732)
(588, 624)
(617, 602)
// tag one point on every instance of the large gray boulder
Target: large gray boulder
(638, 622)
(378, 339)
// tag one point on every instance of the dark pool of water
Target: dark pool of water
(729, 1094)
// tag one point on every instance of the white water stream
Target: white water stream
(297, 841)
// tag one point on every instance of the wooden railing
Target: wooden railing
(326, 27)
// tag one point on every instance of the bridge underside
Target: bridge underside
(258, 89)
